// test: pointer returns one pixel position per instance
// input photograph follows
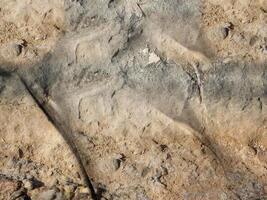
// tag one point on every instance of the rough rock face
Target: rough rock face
(154, 99)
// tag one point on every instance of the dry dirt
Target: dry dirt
(156, 100)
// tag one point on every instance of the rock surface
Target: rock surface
(156, 99)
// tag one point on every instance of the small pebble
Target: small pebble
(219, 33)
(224, 32)
(50, 173)
(145, 51)
(84, 190)
(116, 164)
(28, 184)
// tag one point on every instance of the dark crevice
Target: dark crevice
(63, 129)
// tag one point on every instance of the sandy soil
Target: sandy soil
(162, 99)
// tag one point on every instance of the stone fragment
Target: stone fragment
(153, 58)
(28, 184)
